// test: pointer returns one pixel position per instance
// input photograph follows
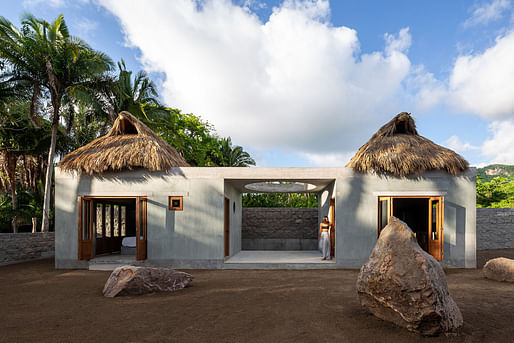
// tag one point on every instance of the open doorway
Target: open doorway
(112, 225)
(424, 216)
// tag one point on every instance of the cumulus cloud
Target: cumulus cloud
(488, 12)
(294, 81)
(482, 83)
(456, 144)
(499, 148)
(329, 159)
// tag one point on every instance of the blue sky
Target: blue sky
(306, 83)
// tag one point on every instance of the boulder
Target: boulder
(500, 269)
(131, 280)
(403, 284)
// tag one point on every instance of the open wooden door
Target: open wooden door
(333, 229)
(141, 228)
(227, 227)
(85, 225)
(435, 231)
(385, 210)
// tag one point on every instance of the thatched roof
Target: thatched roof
(397, 149)
(130, 144)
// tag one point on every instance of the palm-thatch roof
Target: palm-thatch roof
(129, 144)
(397, 149)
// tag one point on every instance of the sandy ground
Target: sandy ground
(40, 304)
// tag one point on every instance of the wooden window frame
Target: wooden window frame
(176, 208)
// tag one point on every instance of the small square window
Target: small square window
(175, 203)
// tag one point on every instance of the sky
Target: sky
(306, 83)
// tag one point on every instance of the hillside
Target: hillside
(489, 172)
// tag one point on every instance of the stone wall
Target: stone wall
(280, 228)
(19, 247)
(495, 228)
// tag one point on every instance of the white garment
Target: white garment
(324, 244)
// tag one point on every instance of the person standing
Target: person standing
(324, 238)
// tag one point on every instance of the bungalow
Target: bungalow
(129, 197)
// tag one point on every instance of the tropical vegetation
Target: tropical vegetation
(56, 94)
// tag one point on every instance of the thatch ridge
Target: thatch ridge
(397, 149)
(129, 144)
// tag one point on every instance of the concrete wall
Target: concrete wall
(189, 238)
(495, 228)
(235, 211)
(357, 208)
(19, 247)
(193, 238)
(280, 228)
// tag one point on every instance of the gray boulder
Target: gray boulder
(500, 269)
(131, 280)
(403, 284)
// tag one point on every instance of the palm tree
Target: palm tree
(233, 156)
(46, 56)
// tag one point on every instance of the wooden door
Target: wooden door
(435, 228)
(141, 228)
(85, 225)
(227, 227)
(333, 229)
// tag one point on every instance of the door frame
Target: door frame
(226, 227)
(435, 246)
(85, 245)
(333, 229)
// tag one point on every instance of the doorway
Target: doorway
(112, 225)
(424, 216)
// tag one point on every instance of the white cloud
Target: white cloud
(295, 81)
(456, 144)
(500, 147)
(488, 12)
(329, 159)
(483, 83)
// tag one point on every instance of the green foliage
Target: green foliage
(30, 204)
(499, 193)
(306, 200)
(233, 156)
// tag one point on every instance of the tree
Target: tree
(499, 192)
(46, 56)
(233, 156)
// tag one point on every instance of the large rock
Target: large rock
(500, 269)
(403, 284)
(131, 280)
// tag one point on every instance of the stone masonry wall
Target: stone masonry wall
(280, 229)
(280, 223)
(19, 247)
(495, 228)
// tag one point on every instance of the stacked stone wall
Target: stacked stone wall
(495, 228)
(19, 247)
(280, 228)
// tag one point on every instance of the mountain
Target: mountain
(489, 172)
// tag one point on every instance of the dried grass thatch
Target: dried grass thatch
(397, 149)
(130, 144)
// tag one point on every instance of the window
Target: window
(175, 203)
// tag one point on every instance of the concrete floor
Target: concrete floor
(272, 256)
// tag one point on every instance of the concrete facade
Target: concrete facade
(194, 237)
(495, 228)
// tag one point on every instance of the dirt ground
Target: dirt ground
(41, 304)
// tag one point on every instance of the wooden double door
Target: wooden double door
(424, 215)
(104, 221)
